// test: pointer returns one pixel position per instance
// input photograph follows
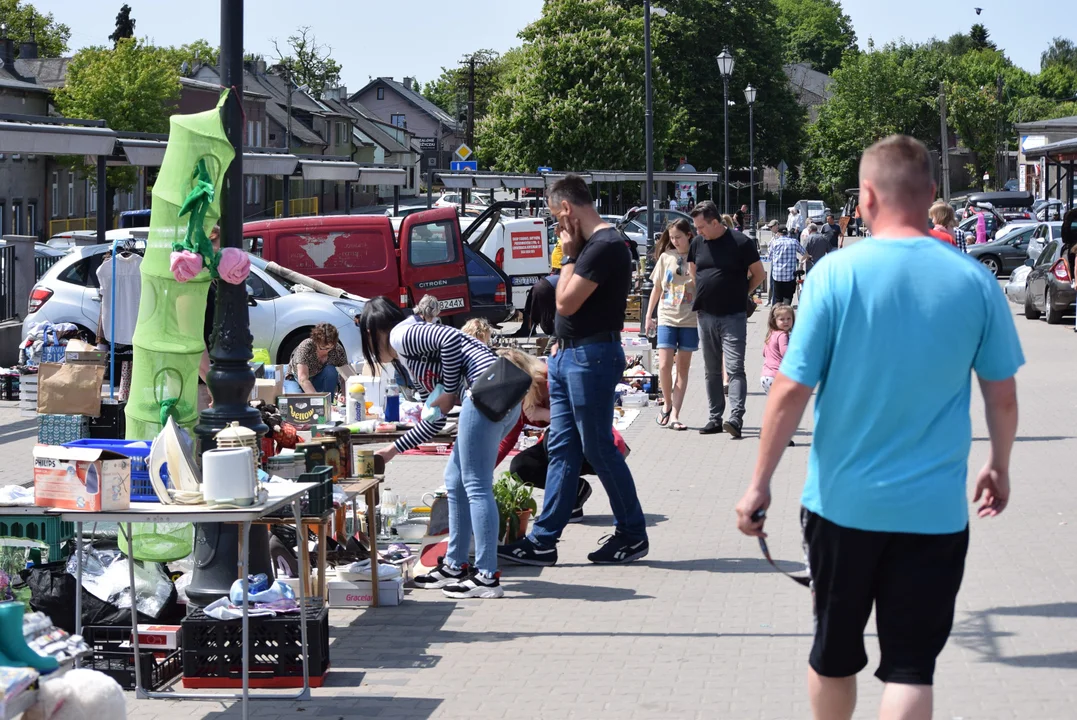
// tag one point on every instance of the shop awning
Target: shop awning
(55, 139)
(143, 153)
(265, 163)
(456, 181)
(328, 169)
(382, 176)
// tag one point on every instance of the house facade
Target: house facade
(400, 104)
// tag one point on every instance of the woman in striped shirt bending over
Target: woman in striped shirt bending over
(425, 356)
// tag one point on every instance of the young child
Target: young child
(478, 328)
(779, 326)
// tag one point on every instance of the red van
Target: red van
(362, 255)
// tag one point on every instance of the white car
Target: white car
(281, 313)
(1015, 286)
(1045, 233)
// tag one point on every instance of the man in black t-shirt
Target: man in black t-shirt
(584, 370)
(832, 231)
(726, 268)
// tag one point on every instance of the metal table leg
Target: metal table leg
(244, 559)
(372, 533)
(78, 584)
(139, 692)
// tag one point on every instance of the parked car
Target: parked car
(1015, 286)
(65, 240)
(44, 257)
(487, 285)
(1047, 210)
(993, 221)
(634, 224)
(1043, 234)
(1007, 205)
(1011, 185)
(1049, 288)
(814, 210)
(1007, 252)
(516, 245)
(281, 315)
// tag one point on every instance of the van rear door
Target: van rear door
(519, 248)
(432, 259)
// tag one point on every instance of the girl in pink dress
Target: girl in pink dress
(779, 325)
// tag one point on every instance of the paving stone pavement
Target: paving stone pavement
(703, 628)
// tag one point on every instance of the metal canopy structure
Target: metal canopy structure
(382, 175)
(340, 170)
(1061, 158)
(43, 138)
(489, 181)
(607, 176)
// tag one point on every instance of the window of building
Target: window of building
(31, 218)
(130, 201)
(250, 133)
(400, 121)
(70, 194)
(16, 218)
(55, 196)
(3, 217)
(249, 193)
(91, 198)
(381, 93)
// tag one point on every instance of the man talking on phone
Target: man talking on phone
(584, 370)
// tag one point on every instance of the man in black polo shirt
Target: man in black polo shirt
(726, 268)
(584, 371)
(832, 231)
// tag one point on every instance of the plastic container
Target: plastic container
(138, 451)
(356, 399)
(48, 529)
(114, 656)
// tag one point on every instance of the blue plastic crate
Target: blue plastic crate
(141, 487)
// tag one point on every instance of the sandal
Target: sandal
(663, 419)
(679, 426)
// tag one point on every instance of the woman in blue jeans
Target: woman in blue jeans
(426, 356)
(314, 362)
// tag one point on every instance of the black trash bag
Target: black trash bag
(52, 591)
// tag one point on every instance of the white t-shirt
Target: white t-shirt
(128, 296)
(673, 205)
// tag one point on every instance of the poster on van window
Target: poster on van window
(527, 245)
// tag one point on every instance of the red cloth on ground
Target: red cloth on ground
(509, 441)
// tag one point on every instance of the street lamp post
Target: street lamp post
(749, 95)
(725, 67)
(648, 115)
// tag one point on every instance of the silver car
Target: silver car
(281, 313)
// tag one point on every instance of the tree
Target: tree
(1061, 52)
(980, 38)
(24, 21)
(815, 32)
(132, 87)
(310, 63)
(1058, 82)
(449, 90)
(125, 26)
(199, 52)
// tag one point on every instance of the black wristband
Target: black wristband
(568, 261)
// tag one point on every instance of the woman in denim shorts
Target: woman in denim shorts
(678, 334)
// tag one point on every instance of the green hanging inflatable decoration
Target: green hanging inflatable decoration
(168, 340)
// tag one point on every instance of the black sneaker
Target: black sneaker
(582, 495)
(617, 549)
(475, 585)
(712, 427)
(732, 426)
(441, 576)
(525, 552)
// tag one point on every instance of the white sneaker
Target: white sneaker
(475, 585)
(441, 576)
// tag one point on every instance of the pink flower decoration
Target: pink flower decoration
(235, 266)
(185, 265)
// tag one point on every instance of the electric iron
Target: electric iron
(173, 447)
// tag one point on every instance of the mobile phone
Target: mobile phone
(759, 515)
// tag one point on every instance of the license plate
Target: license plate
(525, 280)
(451, 303)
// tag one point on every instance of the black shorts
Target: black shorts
(911, 579)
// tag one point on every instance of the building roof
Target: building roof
(412, 97)
(807, 82)
(368, 124)
(9, 81)
(197, 84)
(300, 132)
(1057, 125)
(46, 72)
(1062, 147)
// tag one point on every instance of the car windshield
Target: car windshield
(815, 207)
(263, 266)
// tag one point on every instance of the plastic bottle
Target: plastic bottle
(392, 400)
(430, 412)
(356, 408)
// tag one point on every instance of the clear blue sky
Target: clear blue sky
(418, 37)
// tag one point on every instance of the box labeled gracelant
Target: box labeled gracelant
(81, 478)
(360, 594)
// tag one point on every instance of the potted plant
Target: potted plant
(515, 506)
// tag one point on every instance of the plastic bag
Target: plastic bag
(106, 576)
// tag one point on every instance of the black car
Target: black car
(1049, 288)
(490, 295)
(1002, 256)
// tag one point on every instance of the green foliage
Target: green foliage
(125, 26)
(1062, 51)
(22, 18)
(449, 90)
(512, 497)
(133, 87)
(195, 53)
(1058, 81)
(310, 63)
(815, 32)
(980, 38)
(1030, 109)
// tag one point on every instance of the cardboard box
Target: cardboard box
(358, 594)
(158, 637)
(305, 410)
(81, 478)
(62, 429)
(267, 390)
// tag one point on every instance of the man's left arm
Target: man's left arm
(756, 274)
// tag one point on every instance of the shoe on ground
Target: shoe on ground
(582, 495)
(525, 552)
(441, 576)
(713, 427)
(792, 443)
(617, 550)
(732, 426)
(475, 585)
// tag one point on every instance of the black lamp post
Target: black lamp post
(648, 115)
(230, 379)
(725, 67)
(749, 95)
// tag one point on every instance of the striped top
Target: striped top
(430, 354)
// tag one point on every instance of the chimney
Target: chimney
(7, 48)
(28, 50)
(408, 82)
(260, 66)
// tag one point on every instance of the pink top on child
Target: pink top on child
(773, 351)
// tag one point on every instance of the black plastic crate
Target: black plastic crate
(116, 659)
(111, 424)
(212, 649)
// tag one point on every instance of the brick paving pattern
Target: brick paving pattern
(702, 628)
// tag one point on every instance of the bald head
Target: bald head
(896, 186)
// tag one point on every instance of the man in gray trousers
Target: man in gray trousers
(726, 268)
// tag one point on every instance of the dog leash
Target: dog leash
(759, 516)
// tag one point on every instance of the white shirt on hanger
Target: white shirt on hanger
(128, 296)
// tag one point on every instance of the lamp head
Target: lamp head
(749, 94)
(725, 63)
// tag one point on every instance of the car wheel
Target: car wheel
(1030, 310)
(290, 343)
(991, 263)
(1054, 315)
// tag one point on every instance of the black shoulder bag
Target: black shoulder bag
(499, 389)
